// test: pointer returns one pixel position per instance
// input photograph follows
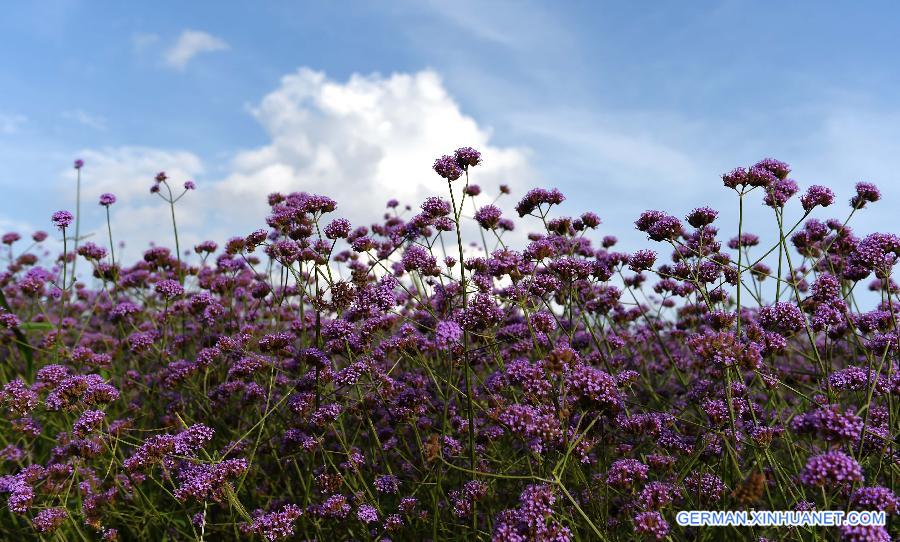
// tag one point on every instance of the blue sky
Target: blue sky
(624, 106)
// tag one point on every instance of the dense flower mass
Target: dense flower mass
(321, 380)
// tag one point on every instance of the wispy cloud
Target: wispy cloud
(82, 117)
(10, 124)
(190, 44)
(143, 40)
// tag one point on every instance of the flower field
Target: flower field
(322, 380)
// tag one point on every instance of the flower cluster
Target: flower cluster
(328, 380)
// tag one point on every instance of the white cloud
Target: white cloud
(82, 117)
(190, 44)
(364, 141)
(361, 142)
(10, 124)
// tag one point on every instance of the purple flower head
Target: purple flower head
(447, 167)
(816, 196)
(734, 178)
(9, 321)
(160, 177)
(107, 199)
(18, 398)
(62, 219)
(387, 483)
(169, 288)
(777, 168)
(701, 216)
(537, 197)
(481, 313)
(88, 422)
(419, 259)
(831, 469)
(10, 238)
(625, 473)
(447, 334)
(651, 525)
(595, 387)
(339, 228)
(49, 519)
(590, 219)
(78, 164)
(488, 216)
(865, 193)
(875, 498)
(206, 247)
(275, 525)
(864, 533)
(641, 260)
(39, 236)
(782, 316)
(367, 513)
(436, 207)
(467, 157)
(779, 192)
(706, 487)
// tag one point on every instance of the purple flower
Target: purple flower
(18, 397)
(419, 259)
(594, 387)
(387, 483)
(706, 487)
(865, 193)
(9, 321)
(641, 260)
(436, 207)
(339, 228)
(777, 168)
(448, 168)
(701, 216)
(88, 422)
(447, 334)
(169, 288)
(831, 469)
(107, 199)
(467, 157)
(481, 313)
(625, 473)
(367, 513)
(659, 226)
(49, 519)
(782, 316)
(537, 197)
(816, 196)
(189, 185)
(779, 192)
(651, 525)
(875, 498)
(488, 216)
(78, 164)
(864, 533)
(62, 219)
